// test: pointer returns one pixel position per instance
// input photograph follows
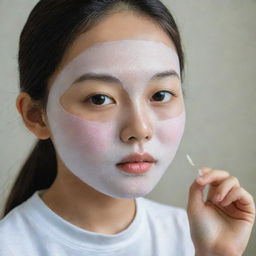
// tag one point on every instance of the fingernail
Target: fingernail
(200, 172)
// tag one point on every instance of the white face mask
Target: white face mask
(90, 149)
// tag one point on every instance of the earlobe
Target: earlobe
(19, 102)
(32, 115)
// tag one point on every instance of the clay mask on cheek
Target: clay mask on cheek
(91, 149)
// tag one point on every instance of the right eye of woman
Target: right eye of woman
(100, 99)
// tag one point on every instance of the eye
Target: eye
(163, 96)
(100, 99)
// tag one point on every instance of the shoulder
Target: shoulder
(10, 224)
(9, 232)
(16, 225)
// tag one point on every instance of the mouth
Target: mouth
(137, 163)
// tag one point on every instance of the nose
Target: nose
(136, 128)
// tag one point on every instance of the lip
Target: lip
(138, 158)
(137, 163)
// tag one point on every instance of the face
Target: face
(115, 98)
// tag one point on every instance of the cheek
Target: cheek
(93, 137)
(97, 137)
(170, 131)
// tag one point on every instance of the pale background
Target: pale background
(220, 50)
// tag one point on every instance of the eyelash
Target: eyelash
(170, 92)
(89, 98)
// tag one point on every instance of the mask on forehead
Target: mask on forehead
(90, 149)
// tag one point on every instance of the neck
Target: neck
(87, 208)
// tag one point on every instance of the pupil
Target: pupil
(98, 99)
(159, 96)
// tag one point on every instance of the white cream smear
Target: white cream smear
(91, 149)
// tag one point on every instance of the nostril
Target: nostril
(134, 138)
(148, 137)
(131, 138)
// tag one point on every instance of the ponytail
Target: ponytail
(38, 172)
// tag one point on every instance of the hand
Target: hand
(223, 223)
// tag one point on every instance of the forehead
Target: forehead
(130, 60)
(132, 54)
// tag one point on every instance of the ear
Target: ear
(33, 115)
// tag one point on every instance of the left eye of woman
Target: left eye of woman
(163, 96)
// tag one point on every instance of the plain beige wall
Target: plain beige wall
(219, 40)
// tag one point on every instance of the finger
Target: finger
(214, 177)
(205, 170)
(239, 213)
(237, 193)
(243, 199)
(224, 188)
(195, 198)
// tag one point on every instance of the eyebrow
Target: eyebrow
(112, 79)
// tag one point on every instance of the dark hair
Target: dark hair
(51, 28)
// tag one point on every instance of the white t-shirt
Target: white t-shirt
(33, 229)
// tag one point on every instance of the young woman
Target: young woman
(101, 90)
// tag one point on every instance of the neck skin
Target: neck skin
(85, 207)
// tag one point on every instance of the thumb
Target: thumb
(195, 199)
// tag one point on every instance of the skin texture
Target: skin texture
(69, 197)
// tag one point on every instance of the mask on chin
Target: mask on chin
(91, 147)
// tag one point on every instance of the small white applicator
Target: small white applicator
(192, 163)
